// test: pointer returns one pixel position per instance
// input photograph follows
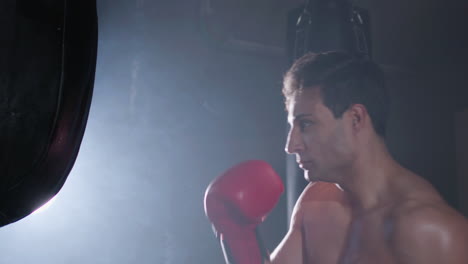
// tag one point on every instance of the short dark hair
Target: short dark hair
(343, 80)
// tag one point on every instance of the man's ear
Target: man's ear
(358, 115)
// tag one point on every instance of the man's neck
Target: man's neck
(373, 180)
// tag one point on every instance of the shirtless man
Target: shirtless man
(381, 213)
(361, 206)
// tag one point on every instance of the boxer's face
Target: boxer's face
(322, 144)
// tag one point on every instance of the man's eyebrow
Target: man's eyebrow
(299, 116)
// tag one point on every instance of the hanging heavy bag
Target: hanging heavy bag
(47, 66)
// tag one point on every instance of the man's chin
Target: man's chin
(318, 177)
(314, 176)
(311, 177)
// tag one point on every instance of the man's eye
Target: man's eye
(304, 124)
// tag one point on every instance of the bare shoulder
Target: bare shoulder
(322, 191)
(429, 217)
(293, 247)
(318, 196)
(427, 230)
(320, 217)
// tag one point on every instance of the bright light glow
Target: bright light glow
(45, 206)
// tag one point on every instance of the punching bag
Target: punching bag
(47, 66)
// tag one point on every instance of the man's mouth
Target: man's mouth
(304, 164)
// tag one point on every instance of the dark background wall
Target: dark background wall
(185, 89)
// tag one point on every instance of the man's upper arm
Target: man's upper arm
(315, 198)
(431, 236)
(289, 250)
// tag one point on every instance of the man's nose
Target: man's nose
(294, 143)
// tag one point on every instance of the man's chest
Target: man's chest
(368, 241)
(333, 237)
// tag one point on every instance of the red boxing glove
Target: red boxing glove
(236, 203)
